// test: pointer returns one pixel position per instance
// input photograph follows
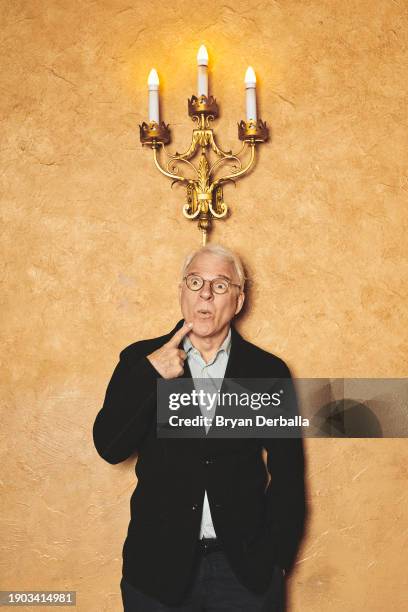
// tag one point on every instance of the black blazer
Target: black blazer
(259, 529)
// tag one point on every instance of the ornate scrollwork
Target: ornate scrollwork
(205, 199)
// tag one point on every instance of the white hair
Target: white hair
(219, 251)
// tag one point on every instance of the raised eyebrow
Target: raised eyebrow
(219, 276)
(222, 276)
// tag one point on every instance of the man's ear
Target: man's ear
(240, 302)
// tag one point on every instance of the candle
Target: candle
(202, 62)
(250, 85)
(153, 84)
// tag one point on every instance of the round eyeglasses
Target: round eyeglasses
(218, 285)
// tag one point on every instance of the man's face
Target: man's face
(210, 312)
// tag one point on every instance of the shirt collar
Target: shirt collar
(225, 346)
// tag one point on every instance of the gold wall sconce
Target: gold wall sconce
(204, 186)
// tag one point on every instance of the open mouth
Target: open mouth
(204, 313)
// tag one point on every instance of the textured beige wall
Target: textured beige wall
(93, 237)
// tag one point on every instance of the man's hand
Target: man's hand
(168, 360)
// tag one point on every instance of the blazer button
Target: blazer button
(194, 507)
(208, 461)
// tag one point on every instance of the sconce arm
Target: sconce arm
(228, 157)
(175, 177)
(242, 171)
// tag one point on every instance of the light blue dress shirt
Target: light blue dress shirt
(214, 369)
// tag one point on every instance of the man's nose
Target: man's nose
(205, 291)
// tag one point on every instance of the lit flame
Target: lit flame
(202, 56)
(153, 78)
(250, 77)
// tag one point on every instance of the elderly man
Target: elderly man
(209, 531)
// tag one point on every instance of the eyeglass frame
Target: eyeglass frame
(205, 280)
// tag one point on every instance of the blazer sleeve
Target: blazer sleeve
(129, 408)
(285, 494)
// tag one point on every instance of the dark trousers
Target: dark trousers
(214, 588)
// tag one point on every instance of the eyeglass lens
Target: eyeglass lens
(218, 285)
